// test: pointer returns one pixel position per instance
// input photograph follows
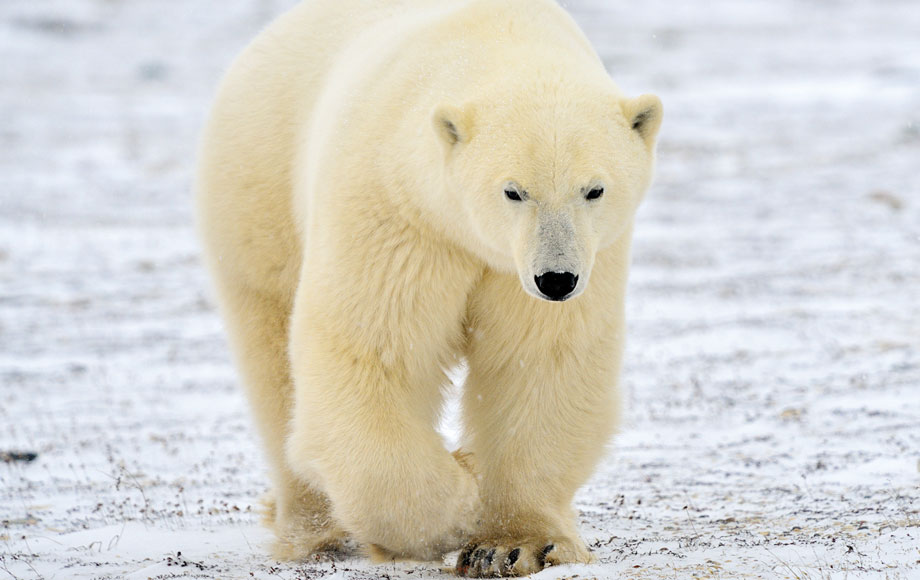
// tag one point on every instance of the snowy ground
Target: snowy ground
(773, 370)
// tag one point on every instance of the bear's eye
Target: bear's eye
(512, 194)
(595, 193)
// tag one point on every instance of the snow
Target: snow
(772, 377)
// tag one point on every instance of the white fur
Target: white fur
(351, 202)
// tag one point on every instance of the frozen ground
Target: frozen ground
(773, 369)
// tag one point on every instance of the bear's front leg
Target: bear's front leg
(539, 405)
(372, 331)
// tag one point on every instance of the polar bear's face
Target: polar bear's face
(544, 188)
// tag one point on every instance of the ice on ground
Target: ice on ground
(772, 377)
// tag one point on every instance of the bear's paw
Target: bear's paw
(503, 557)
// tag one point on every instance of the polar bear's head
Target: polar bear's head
(546, 181)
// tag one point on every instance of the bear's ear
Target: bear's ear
(452, 124)
(644, 116)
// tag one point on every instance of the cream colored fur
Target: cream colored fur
(351, 202)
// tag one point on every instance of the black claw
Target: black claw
(463, 562)
(478, 564)
(477, 558)
(546, 550)
(513, 556)
(487, 561)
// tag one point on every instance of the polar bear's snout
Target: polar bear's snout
(556, 285)
(556, 259)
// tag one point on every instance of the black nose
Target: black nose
(556, 285)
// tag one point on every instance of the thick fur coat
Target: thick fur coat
(386, 189)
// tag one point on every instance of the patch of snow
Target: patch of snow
(772, 376)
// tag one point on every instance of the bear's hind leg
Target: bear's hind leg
(299, 515)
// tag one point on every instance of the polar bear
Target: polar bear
(386, 189)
